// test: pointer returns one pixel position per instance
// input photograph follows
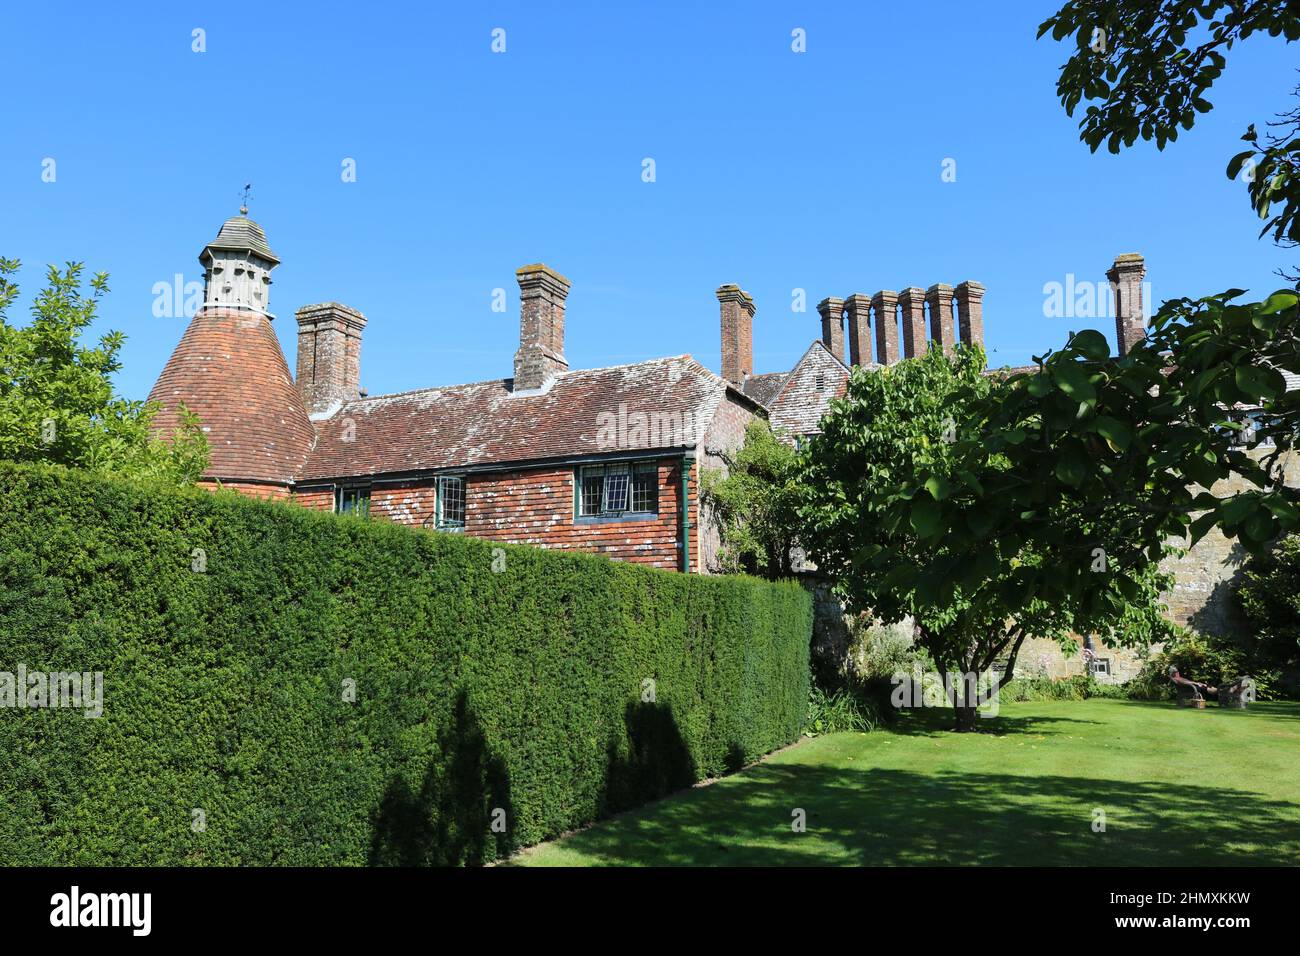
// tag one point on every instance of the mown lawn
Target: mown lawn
(1177, 787)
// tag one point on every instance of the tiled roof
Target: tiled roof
(229, 370)
(487, 423)
(240, 234)
(763, 388)
(799, 405)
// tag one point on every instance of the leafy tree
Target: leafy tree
(914, 512)
(1269, 595)
(1147, 66)
(754, 502)
(56, 394)
(1146, 69)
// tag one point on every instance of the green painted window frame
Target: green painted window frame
(352, 500)
(444, 483)
(598, 498)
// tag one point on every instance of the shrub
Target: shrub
(516, 696)
(1205, 659)
(1075, 687)
(838, 711)
(1268, 593)
(881, 650)
(877, 654)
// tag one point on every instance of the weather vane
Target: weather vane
(243, 205)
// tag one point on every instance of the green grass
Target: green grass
(1178, 787)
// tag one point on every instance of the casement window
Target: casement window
(352, 500)
(1246, 438)
(620, 488)
(450, 503)
(1099, 665)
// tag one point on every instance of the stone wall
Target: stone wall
(1201, 597)
(1043, 657)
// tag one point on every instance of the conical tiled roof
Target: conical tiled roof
(240, 234)
(228, 369)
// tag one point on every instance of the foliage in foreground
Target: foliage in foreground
(843, 710)
(919, 507)
(754, 504)
(1146, 69)
(57, 402)
(1268, 593)
(327, 690)
(1208, 658)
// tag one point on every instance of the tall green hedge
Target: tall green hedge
(502, 696)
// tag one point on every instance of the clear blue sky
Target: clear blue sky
(775, 170)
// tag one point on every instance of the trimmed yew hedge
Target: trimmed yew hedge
(493, 708)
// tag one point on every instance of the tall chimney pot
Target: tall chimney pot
(540, 357)
(939, 298)
(859, 308)
(831, 310)
(1126, 283)
(736, 310)
(912, 300)
(970, 308)
(329, 355)
(885, 305)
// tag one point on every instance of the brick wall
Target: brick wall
(250, 488)
(535, 506)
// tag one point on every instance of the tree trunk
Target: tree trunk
(966, 719)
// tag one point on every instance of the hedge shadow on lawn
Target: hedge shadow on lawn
(895, 817)
(938, 722)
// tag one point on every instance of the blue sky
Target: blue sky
(774, 169)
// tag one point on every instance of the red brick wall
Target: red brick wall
(536, 507)
(249, 488)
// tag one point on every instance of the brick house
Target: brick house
(606, 460)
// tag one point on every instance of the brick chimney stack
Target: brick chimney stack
(913, 301)
(542, 292)
(859, 309)
(939, 298)
(1126, 283)
(831, 310)
(970, 308)
(329, 355)
(885, 305)
(737, 313)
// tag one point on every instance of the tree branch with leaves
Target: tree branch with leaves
(57, 401)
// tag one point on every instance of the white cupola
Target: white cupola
(237, 267)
